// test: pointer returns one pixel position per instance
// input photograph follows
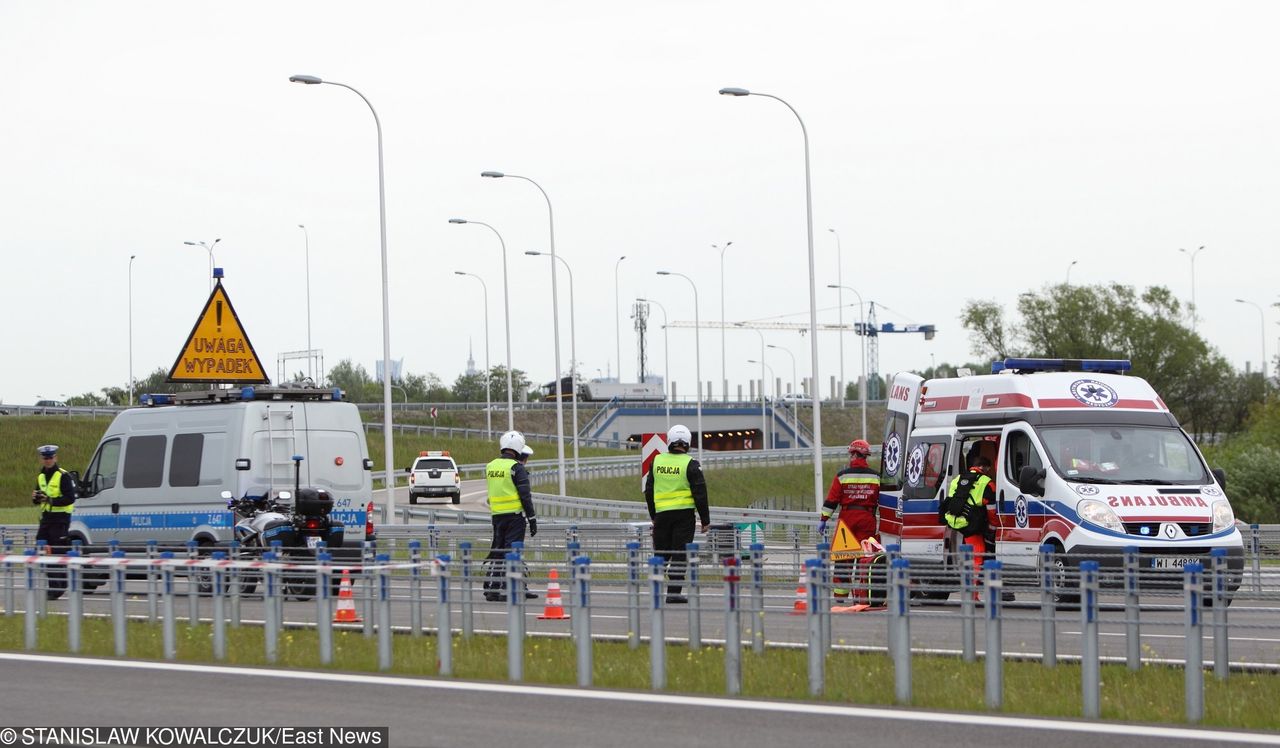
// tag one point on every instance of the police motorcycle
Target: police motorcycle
(299, 527)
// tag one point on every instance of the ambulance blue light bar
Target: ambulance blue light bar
(1029, 365)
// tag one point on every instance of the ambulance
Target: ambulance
(1086, 459)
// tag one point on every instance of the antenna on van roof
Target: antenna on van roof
(1033, 365)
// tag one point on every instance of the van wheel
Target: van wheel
(90, 578)
(457, 498)
(1066, 577)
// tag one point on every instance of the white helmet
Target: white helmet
(526, 450)
(512, 440)
(679, 433)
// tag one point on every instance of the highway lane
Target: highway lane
(425, 713)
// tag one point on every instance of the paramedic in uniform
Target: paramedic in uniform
(674, 490)
(55, 494)
(972, 524)
(510, 504)
(855, 492)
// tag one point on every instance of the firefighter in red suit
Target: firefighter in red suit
(855, 493)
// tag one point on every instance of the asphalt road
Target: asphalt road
(425, 713)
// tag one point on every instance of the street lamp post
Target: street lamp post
(840, 303)
(488, 400)
(208, 248)
(795, 413)
(697, 351)
(862, 353)
(666, 361)
(506, 312)
(724, 380)
(131, 259)
(573, 355)
(769, 442)
(813, 296)
(617, 315)
(1262, 321)
(388, 446)
(1073, 264)
(1192, 254)
(555, 322)
(763, 423)
(310, 353)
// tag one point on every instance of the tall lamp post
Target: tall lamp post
(617, 315)
(764, 431)
(773, 443)
(697, 350)
(388, 446)
(131, 259)
(506, 313)
(573, 354)
(724, 380)
(555, 322)
(862, 344)
(840, 303)
(1073, 264)
(813, 296)
(208, 248)
(1192, 254)
(488, 400)
(795, 413)
(666, 361)
(1262, 321)
(310, 352)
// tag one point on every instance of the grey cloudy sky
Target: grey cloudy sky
(962, 150)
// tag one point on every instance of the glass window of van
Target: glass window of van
(1022, 452)
(184, 460)
(103, 470)
(144, 461)
(1151, 455)
(926, 465)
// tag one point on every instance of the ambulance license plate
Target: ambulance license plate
(313, 541)
(1171, 562)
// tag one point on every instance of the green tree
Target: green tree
(355, 382)
(469, 388)
(88, 399)
(498, 384)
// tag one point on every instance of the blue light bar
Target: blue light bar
(337, 393)
(150, 400)
(1029, 365)
(246, 393)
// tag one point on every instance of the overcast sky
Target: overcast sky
(961, 150)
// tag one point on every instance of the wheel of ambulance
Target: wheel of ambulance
(1065, 579)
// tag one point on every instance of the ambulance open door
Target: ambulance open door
(904, 395)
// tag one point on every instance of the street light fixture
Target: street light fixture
(488, 401)
(617, 314)
(208, 248)
(697, 352)
(1192, 254)
(573, 355)
(724, 380)
(862, 344)
(388, 446)
(666, 361)
(1073, 264)
(795, 413)
(818, 495)
(310, 351)
(772, 443)
(131, 259)
(763, 422)
(555, 322)
(506, 312)
(1262, 321)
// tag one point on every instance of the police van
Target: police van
(160, 471)
(1086, 459)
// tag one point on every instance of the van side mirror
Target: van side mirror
(1220, 475)
(1031, 481)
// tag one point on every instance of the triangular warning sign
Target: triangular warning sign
(844, 545)
(218, 351)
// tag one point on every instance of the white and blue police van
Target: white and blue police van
(1086, 459)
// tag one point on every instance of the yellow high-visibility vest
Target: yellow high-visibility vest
(975, 498)
(503, 496)
(671, 482)
(52, 489)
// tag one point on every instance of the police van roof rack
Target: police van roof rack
(1032, 365)
(242, 394)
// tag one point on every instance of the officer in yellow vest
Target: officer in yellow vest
(674, 490)
(510, 504)
(55, 494)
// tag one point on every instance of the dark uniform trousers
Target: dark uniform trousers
(672, 531)
(508, 529)
(53, 530)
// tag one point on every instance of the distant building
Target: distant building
(471, 361)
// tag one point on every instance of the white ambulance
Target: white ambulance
(1087, 460)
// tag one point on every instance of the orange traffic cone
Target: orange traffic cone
(346, 610)
(802, 598)
(554, 609)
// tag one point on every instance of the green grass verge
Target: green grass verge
(1152, 694)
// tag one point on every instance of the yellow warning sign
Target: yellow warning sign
(845, 546)
(218, 351)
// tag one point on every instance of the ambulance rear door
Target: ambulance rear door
(904, 394)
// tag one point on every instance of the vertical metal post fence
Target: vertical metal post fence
(1090, 674)
(657, 631)
(1193, 669)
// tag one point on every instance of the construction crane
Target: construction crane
(871, 328)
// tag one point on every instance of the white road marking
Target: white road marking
(943, 718)
(1176, 636)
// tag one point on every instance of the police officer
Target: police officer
(855, 493)
(510, 504)
(969, 518)
(55, 494)
(674, 489)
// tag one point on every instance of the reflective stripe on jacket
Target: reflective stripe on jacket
(52, 489)
(503, 497)
(671, 482)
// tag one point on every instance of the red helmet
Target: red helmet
(859, 448)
